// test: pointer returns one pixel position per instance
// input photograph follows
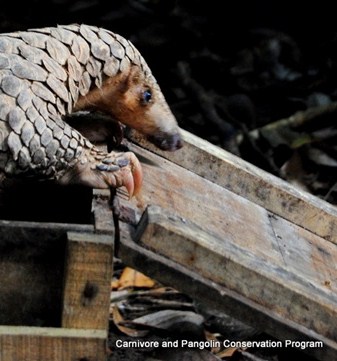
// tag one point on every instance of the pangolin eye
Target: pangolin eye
(147, 96)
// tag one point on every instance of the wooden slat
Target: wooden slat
(279, 288)
(52, 344)
(88, 275)
(243, 223)
(103, 218)
(252, 183)
(218, 297)
(273, 264)
(9, 228)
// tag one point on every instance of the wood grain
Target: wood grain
(88, 275)
(52, 344)
(218, 297)
(266, 261)
(295, 293)
(252, 183)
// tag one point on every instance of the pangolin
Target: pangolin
(48, 73)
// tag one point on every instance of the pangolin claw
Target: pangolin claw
(133, 180)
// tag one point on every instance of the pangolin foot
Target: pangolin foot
(104, 170)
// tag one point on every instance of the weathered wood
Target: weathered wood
(279, 287)
(271, 263)
(218, 297)
(52, 344)
(225, 215)
(88, 273)
(43, 285)
(252, 183)
(103, 218)
(19, 228)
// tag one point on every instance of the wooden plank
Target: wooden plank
(224, 214)
(192, 197)
(88, 274)
(218, 297)
(52, 344)
(271, 263)
(252, 183)
(26, 228)
(281, 289)
(103, 218)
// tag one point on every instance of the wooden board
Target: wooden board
(218, 297)
(252, 183)
(33, 274)
(86, 297)
(59, 276)
(52, 344)
(270, 262)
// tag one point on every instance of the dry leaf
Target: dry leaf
(118, 319)
(212, 337)
(228, 352)
(133, 278)
(114, 284)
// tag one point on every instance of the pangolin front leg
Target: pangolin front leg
(98, 169)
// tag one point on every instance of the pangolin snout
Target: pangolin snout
(166, 141)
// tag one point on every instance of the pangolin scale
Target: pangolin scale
(48, 73)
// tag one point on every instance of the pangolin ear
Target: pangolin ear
(131, 79)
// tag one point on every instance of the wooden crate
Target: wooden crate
(236, 238)
(207, 223)
(55, 277)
